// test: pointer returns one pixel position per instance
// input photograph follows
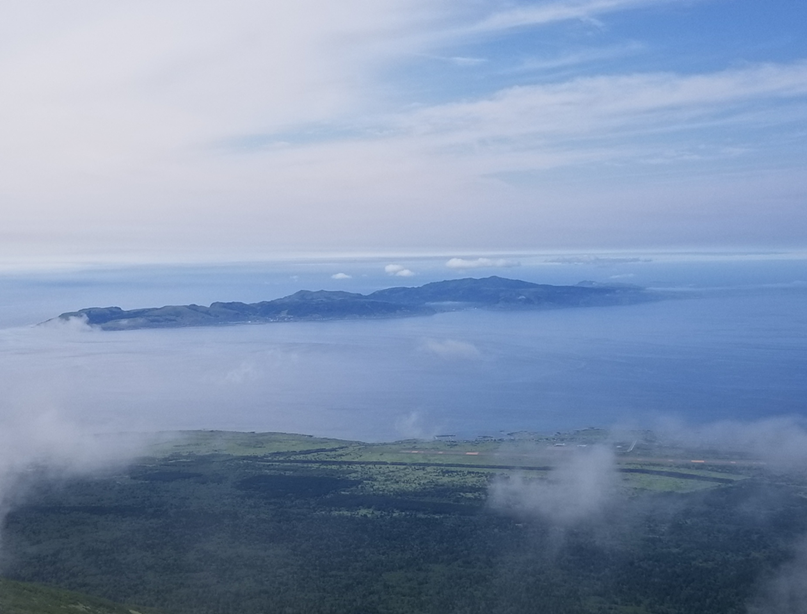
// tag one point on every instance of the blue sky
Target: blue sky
(179, 130)
(679, 37)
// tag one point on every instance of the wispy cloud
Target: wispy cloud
(480, 263)
(780, 441)
(324, 109)
(576, 58)
(466, 61)
(414, 425)
(593, 107)
(784, 591)
(546, 13)
(457, 60)
(451, 349)
(37, 443)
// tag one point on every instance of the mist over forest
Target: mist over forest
(632, 440)
(717, 365)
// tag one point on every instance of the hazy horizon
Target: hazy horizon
(192, 151)
(730, 348)
(198, 130)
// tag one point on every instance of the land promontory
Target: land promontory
(451, 295)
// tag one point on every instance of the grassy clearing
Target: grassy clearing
(411, 465)
(29, 598)
(664, 484)
(238, 444)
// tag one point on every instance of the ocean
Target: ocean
(731, 344)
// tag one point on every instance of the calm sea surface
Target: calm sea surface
(715, 355)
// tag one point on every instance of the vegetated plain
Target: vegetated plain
(27, 598)
(220, 522)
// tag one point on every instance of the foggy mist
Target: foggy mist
(247, 151)
(719, 370)
(578, 488)
(37, 444)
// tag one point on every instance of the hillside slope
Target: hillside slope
(29, 598)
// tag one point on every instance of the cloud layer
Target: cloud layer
(480, 263)
(184, 127)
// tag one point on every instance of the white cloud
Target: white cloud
(480, 263)
(341, 276)
(37, 437)
(121, 102)
(451, 349)
(414, 426)
(69, 325)
(578, 488)
(598, 260)
(780, 441)
(118, 142)
(578, 57)
(592, 106)
(542, 14)
(464, 61)
(785, 590)
(398, 270)
(245, 372)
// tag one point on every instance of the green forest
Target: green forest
(226, 523)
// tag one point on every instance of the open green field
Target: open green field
(219, 522)
(646, 466)
(27, 598)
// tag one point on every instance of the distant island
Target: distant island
(305, 305)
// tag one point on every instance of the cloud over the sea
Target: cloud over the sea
(451, 349)
(480, 263)
(398, 270)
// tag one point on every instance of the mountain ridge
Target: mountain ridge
(306, 305)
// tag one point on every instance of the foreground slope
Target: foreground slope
(28, 598)
(250, 523)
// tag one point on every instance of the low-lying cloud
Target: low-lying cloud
(247, 371)
(597, 260)
(415, 425)
(578, 488)
(780, 441)
(398, 270)
(785, 590)
(481, 263)
(40, 444)
(451, 348)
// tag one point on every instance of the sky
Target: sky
(433, 139)
(175, 130)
